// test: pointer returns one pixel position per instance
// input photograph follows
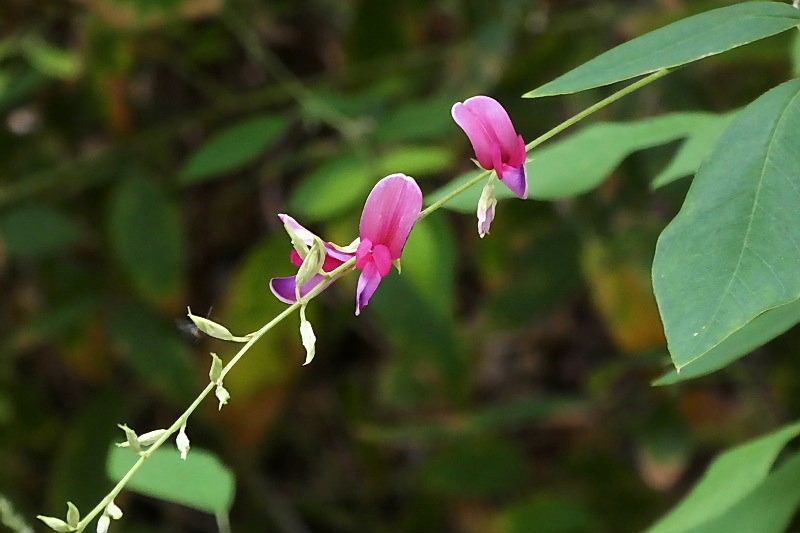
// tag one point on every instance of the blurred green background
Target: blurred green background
(498, 385)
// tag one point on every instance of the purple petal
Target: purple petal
(368, 283)
(285, 289)
(390, 213)
(516, 180)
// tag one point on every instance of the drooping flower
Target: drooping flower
(497, 147)
(392, 209)
(389, 215)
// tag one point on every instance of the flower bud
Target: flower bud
(222, 395)
(216, 368)
(73, 515)
(182, 442)
(307, 336)
(113, 511)
(486, 207)
(102, 524)
(312, 263)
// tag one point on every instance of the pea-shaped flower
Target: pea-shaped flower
(497, 147)
(390, 213)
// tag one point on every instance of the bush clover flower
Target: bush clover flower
(390, 213)
(497, 147)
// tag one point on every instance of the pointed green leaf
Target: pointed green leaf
(770, 507)
(733, 251)
(694, 150)
(233, 148)
(200, 481)
(732, 476)
(681, 42)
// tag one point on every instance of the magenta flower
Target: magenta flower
(496, 143)
(389, 215)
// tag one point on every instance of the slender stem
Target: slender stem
(182, 419)
(598, 106)
(333, 276)
(439, 203)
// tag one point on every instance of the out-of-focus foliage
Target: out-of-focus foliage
(497, 385)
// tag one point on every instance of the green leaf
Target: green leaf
(343, 183)
(681, 42)
(200, 481)
(38, 230)
(763, 328)
(146, 238)
(733, 479)
(733, 251)
(582, 161)
(332, 188)
(694, 151)
(233, 148)
(416, 161)
(416, 121)
(770, 507)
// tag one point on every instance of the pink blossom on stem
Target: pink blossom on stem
(390, 213)
(496, 143)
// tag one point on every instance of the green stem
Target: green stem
(439, 203)
(333, 276)
(182, 419)
(598, 106)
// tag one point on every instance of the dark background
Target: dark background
(498, 385)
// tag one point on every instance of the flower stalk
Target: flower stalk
(328, 276)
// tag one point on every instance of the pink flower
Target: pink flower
(497, 146)
(389, 215)
(496, 143)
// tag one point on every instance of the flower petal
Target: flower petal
(285, 289)
(489, 128)
(390, 212)
(308, 237)
(482, 139)
(304, 234)
(516, 180)
(495, 117)
(368, 283)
